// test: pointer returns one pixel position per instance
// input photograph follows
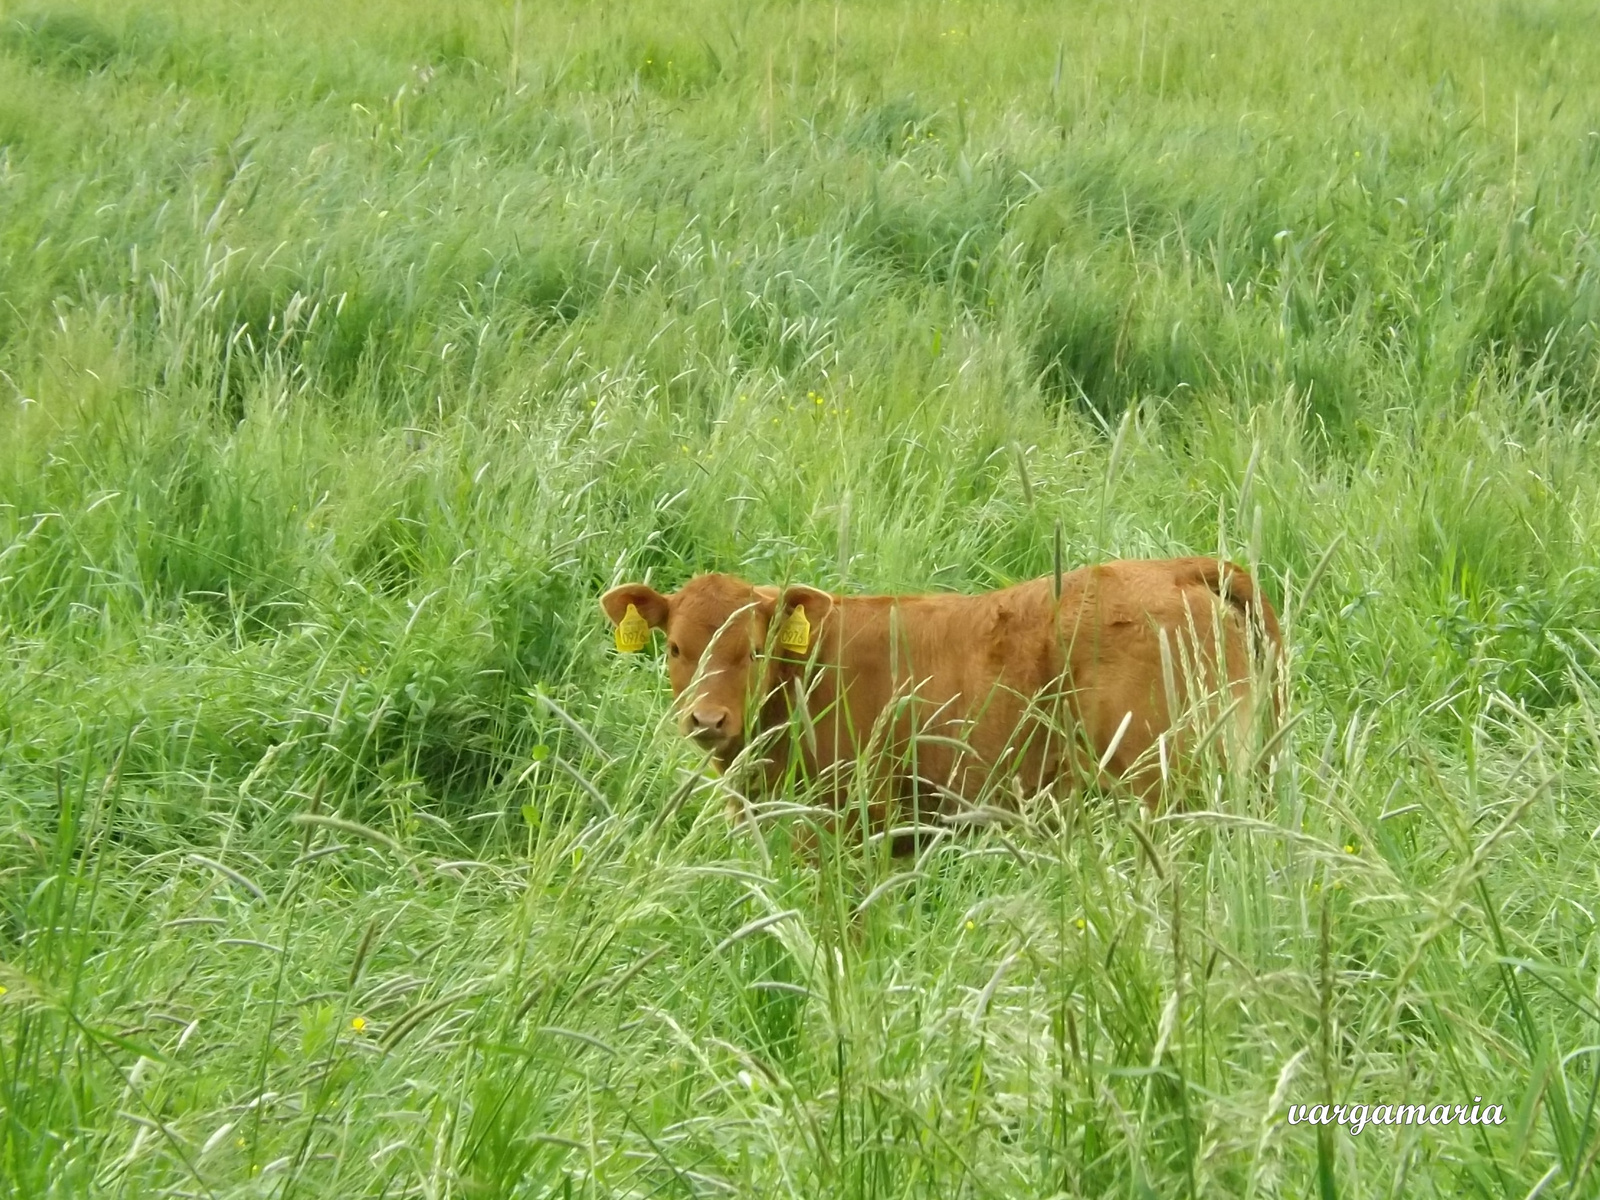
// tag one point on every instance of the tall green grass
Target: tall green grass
(347, 353)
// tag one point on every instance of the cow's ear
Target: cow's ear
(644, 599)
(800, 613)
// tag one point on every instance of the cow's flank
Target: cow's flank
(942, 696)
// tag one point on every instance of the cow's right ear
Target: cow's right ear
(644, 599)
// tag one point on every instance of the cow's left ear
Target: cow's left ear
(800, 613)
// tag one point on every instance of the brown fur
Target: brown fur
(948, 693)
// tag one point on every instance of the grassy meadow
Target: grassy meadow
(349, 352)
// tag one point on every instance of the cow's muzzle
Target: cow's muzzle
(710, 726)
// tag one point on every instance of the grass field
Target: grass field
(348, 352)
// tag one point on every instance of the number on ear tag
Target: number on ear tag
(796, 631)
(633, 631)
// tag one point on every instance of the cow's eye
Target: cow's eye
(672, 649)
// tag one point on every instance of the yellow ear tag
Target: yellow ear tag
(796, 631)
(633, 631)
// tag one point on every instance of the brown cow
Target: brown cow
(947, 694)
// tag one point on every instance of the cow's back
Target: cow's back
(944, 694)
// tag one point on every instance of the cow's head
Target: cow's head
(722, 654)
